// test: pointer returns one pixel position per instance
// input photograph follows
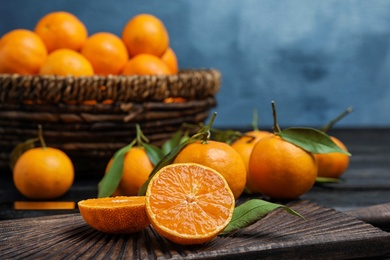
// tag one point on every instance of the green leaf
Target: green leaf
(166, 160)
(172, 142)
(252, 211)
(111, 179)
(327, 180)
(154, 153)
(20, 149)
(311, 140)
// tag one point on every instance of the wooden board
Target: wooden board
(324, 234)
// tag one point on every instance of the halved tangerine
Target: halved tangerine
(189, 203)
(116, 215)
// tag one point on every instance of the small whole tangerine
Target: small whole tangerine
(136, 170)
(106, 52)
(219, 156)
(64, 62)
(244, 146)
(333, 165)
(43, 173)
(145, 34)
(145, 64)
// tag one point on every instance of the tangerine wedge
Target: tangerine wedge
(189, 203)
(115, 215)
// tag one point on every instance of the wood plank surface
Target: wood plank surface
(324, 234)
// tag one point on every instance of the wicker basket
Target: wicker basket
(89, 118)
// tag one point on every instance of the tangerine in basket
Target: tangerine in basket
(43, 173)
(65, 62)
(170, 59)
(60, 30)
(106, 52)
(21, 51)
(115, 215)
(189, 203)
(219, 156)
(145, 64)
(145, 33)
(280, 169)
(136, 170)
(332, 165)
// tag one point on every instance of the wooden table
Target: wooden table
(346, 220)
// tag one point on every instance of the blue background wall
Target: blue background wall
(313, 58)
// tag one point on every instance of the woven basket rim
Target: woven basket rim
(190, 84)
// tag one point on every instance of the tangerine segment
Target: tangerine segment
(189, 203)
(116, 215)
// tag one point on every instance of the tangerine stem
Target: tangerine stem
(335, 120)
(276, 127)
(40, 136)
(140, 136)
(207, 129)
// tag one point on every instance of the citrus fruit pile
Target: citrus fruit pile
(60, 45)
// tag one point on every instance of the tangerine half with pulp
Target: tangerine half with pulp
(189, 203)
(116, 215)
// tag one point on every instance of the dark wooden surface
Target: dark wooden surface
(324, 234)
(362, 197)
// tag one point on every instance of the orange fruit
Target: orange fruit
(332, 165)
(136, 170)
(281, 170)
(220, 157)
(145, 33)
(65, 62)
(116, 215)
(43, 173)
(189, 203)
(170, 59)
(244, 147)
(145, 64)
(106, 52)
(22, 52)
(60, 30)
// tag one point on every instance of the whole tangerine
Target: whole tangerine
(281, 170)
(244, 146)
(43, 173)
(106, 52)
(60, 30)
(136, 170)
(333, 165)
(219, 156)
(21, 51)
(145, 64)
(65, 62)
(170, 59)
(145, 33)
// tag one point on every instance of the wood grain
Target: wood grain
(324, 234)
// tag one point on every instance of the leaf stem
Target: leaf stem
(276, 127)
(40, 137)
(335, 120)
